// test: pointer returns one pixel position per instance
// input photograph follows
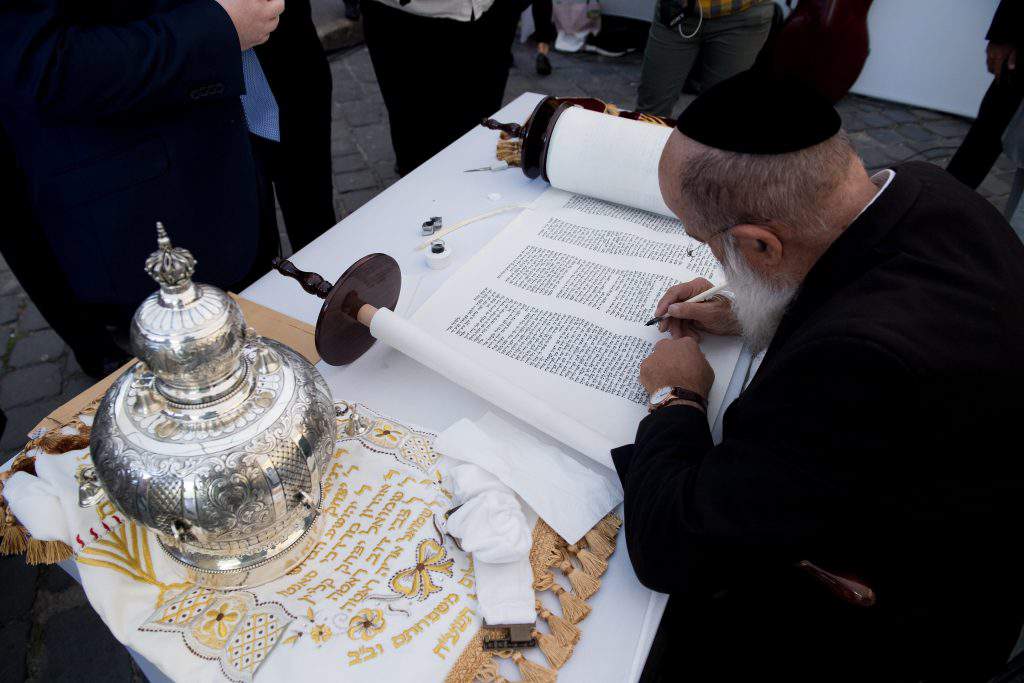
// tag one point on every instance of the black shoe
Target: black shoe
(543, 64)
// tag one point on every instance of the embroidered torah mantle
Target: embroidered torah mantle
(382, 595)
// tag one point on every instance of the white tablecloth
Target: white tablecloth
(619, 634)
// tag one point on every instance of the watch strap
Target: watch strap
(679, 393)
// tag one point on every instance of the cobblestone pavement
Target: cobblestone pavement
(44, 611)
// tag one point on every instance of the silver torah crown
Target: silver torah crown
(217, 439)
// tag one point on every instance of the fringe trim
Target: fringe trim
(556, 653)
(568, 633)
(510, 151)
(548, 550)
(582, 583)
(573, 608)
(47, 552)
(472, 662)
(532, 672)
(589, 562)
(14, 537)
(599, 544)
(55, 441)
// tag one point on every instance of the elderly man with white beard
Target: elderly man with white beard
(858, 518)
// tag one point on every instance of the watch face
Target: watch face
(660, 395)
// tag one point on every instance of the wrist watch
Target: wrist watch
(664, 395)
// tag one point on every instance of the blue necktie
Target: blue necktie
(258, 102)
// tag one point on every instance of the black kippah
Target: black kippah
(753, 113)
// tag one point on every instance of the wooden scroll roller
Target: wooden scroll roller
(343, 327)
(526, 145)
(589, 148)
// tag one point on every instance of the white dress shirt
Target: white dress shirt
(459, 10)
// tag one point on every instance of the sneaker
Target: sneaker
(604, 46)
(569, 42)
(543, 64)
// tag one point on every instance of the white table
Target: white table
(618, 635)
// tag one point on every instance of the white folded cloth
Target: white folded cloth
(568, 496)
(490, 525)
(36, 504)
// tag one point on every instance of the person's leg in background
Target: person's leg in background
(429, 106)
(303, 176)
(491, 37)
(984, 141)
(544, 33)
(732, 42)
(411, 73)
(668, 59)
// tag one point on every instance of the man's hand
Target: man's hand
(677, 363)
(998, 54)
(714, 316)
(254, 20)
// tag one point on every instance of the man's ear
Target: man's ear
(759, 245)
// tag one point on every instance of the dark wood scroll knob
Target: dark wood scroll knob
(513, 129)
(846, 589)
(311, 282)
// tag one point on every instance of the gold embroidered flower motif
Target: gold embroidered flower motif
(218, 620)
(320, 633)
(366, 624)
(416, 581)
(387, 435)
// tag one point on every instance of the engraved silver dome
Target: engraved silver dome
(217, 439)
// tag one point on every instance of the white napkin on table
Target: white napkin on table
(568, 496)
(490, 525)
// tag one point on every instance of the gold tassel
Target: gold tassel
(532, 672)
(568, 633)
(591, 563)
(599, 545)
(57, 551)
(511, 151)
(13, 541)
(573, 608)
(36, 553)
(556, 653)
(46, 552)
(56, 441)
(544, 582)
(488, 672)
(609, 526)
(583, 584)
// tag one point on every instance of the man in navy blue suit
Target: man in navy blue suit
(121, 113)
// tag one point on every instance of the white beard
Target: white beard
(758, 304)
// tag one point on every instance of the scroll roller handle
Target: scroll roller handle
(312, 283)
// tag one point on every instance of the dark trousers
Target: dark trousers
(544, 30)
(304, 192)
(439, 77)
(984, 141)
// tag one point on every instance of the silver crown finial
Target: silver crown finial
(170, 266)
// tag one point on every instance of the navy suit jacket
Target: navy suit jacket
(123, 113)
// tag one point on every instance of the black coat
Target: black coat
(1007, 24)
(125, 112)
(879, 439)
